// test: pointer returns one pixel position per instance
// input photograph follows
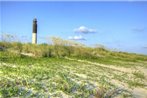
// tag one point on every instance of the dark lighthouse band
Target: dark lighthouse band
(34, 34)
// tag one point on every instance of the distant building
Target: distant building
(34, 33)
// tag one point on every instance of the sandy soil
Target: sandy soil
(137, 92)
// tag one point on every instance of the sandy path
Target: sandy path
(118, 68)
(137, 92)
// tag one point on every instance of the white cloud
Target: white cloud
(85, 30)
(76, 38)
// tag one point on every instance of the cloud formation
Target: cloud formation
(85, 30)
(76, 38)
(144, 47)
(138, 29)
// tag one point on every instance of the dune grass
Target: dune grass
(48, 73)
(23, 76)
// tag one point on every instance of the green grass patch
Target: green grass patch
(139, 74)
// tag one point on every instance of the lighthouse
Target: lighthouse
(34, 33)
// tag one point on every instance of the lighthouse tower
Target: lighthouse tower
(34, 33)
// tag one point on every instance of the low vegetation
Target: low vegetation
(65, 69)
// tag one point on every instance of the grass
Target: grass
(117, 61)
(56, 76)
(139, 74)
(38, 77)
(136, 83)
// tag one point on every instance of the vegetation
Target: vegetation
(66, 69)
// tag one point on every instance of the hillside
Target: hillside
(70, 70)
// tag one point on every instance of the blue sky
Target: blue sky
(116, 25)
